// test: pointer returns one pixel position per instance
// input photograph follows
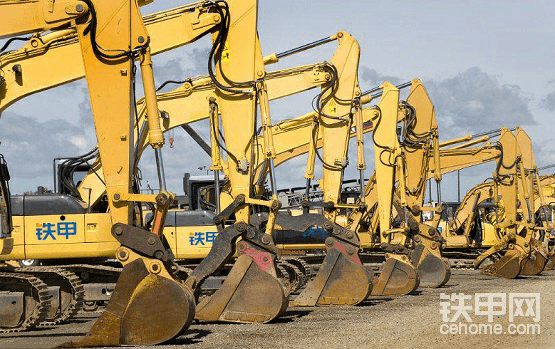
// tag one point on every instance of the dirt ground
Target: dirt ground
(412, 321)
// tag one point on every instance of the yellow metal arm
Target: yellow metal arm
(292, 137)
(335, 117)
(464, 153)
(527, 184)
(31, 16)
(386, 151)
(109, 83)
(51, 60)
(457, 159)
(395, 163)
(421, 143)
(483, 192)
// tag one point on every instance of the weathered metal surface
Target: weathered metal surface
(293, 274)
(550, 263)
(12, 308)
(98, 291)
(340, 281)
(433, 271)
(142, 241)
(55, 302)
(533, 264)
(303, 223)
(145, 309)
(160, 309)
(248, 295)
(66, 290)
(397, 278)
(251, 292)
(224, 247)
(507, 267)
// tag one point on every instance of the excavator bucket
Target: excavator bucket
(507, 267)
(251, 292)
(432, 270)
(396, 279)
(146, 308)
(340, 281)
(550, 265)
(533, 264)
(248, 295)
(550, 262)
(341, 278)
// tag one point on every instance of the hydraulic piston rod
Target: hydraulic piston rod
(376, 89)
(306, 47)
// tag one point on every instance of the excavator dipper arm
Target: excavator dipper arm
(149, 305)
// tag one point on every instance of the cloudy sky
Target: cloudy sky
(485, 64)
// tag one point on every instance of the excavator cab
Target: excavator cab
(5, 204)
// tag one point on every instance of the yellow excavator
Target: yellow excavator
(198, 87)
(409, 242)
(463, 236)
(452, 159)
(341, 278)
(510, 197)
(52, 58)
(284, 147)
(460, 156)
(28, 70)
(149, 304)
(49, 59)
(397, 277)
(94, 225)
(433, 165)
(318, 295)
(545, 214)
(237, 94)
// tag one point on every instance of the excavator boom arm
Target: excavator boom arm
(50, 60)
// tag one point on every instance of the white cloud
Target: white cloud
(470, 102)
(548, 102)
(474, 101)
(29, 147)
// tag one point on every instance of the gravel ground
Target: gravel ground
(405, 322)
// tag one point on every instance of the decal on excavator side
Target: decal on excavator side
(202, 237)
(47, 230)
